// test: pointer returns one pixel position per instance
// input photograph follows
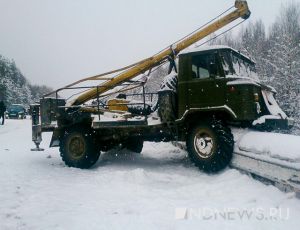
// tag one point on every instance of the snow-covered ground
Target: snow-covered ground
(154, 190)
(276, 146)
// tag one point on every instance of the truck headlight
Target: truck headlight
(256, 97)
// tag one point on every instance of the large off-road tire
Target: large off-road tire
(134, 144)
(78, 149)
(210, 145)
(166, 107)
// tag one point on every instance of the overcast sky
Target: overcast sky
(56, 42)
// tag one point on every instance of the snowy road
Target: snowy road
(37, 191)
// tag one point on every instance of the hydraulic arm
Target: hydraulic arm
(241, 11)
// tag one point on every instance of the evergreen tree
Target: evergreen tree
(284, 59)
(14, 87)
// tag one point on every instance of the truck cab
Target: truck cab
(222, 80)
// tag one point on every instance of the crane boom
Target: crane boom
(241, 11)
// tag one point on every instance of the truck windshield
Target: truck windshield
(235, 64)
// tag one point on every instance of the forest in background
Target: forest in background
(15, 88)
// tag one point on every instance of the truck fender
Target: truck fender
(211, 110)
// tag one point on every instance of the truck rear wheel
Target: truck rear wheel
(78, 149)
(210, 146)
(134, 145)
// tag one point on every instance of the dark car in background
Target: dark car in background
(16, 111)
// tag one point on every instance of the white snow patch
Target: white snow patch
(279, 146)
(262, 119)
(242, 81)
(169, 82)
(272, 104)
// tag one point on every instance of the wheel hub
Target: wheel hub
(203, 143)
(76, 147)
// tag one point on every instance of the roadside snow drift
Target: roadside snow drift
(278, 146)
(159, 189)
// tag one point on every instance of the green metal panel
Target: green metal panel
(240, 98)
(203, 89)
(183, 74)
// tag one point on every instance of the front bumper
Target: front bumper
(274, 122)
(12, 115)
(279, 123)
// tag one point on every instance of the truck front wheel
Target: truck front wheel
(78, 149)
(210, 146)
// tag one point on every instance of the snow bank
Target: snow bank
(279, 146)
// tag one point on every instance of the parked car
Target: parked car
(16, 111)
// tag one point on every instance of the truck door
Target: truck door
(205, 87)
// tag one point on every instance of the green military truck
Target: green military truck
(207, 91)
(215, 88)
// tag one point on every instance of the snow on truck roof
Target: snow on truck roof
(213, 47)
(204, 48)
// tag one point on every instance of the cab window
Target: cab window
(203, 66)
